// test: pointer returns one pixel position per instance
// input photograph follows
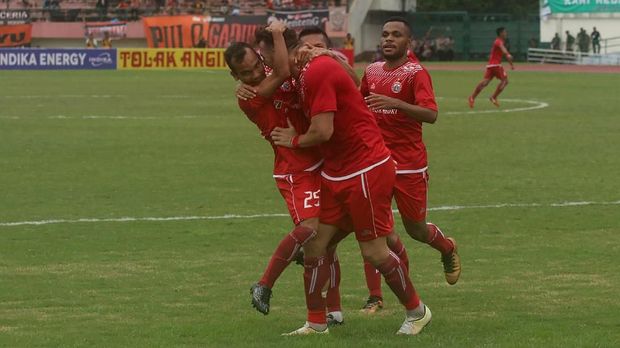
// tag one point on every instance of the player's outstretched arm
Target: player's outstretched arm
(508, 55)
(280, 66)
(320, 130)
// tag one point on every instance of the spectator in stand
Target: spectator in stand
(102, 7)
(91, 42)
(135, 10)
(583, 41)
(122, 7)
(596, 41)
(107, 41)
(349, 42)
(378, 57)
(570, 41)
(450, 49)
(199, 7)
(556, 42)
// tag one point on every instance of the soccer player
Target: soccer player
(399, 93)
(357, 182)
(295, 171)
(495, 69)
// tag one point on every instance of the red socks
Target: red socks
(284, 253)
(373, 277)
(316, 274)
(437, 240)
(397, 277)
(333, 292)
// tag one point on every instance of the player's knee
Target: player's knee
(302, 234)
(417, 230)
(375, 252)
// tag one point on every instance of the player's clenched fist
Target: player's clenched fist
(284, 136)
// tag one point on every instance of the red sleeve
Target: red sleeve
(423, 90)
(321, 80)
(251, 107)
(364, 86)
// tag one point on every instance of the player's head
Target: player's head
(264, 41)
(315, 37)
(501, 32)
(245, 65)
(395, 38)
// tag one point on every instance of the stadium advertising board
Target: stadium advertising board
(189, 31)
(300, 20)
(57, 59)
(581, 6)
(117, 30)
(15, 35)
(14, 16)
(170, 58)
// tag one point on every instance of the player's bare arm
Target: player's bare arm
(379, 101)
(508, 55)
(320, 130)
(280, 62)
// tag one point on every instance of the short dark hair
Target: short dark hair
(400, 20)
(499, 30)
(263, 35)
(316, 30)
(235, 53)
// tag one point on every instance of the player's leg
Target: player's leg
(373, 276)
(316, 275)
(503, 77)
(411, 193)
(306, 219)
(370, 207)
(488, 76)
(332, 300)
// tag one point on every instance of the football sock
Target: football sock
(332, 300)
(399, 249)
(397, 277)
(437, 240)
(417, 312)
(373, 280)
(316, 274)
(284, 254)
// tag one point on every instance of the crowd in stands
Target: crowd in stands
(75, 10)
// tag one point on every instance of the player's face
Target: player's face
(267, 53)
(293, 60)
(394, 40)
(250, 70)
(314, 40)
(503, 34)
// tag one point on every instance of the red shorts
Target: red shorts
(362, 203)
(301, 193)
(411, 193)
(495, 71)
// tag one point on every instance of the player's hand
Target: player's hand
(276, 26)
(284, 136)
(245, 92)
(380, 101)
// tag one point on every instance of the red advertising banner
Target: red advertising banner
(15, 35)
(200, 31)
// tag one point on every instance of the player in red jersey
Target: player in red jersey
(356, 187)
(495, 69)
(399, 93)
(296, 171)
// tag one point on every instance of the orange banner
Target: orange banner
(15, 35)
(175, 31)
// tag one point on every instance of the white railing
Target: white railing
(540, 55)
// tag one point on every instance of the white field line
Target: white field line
(255, 216)
(534, 104)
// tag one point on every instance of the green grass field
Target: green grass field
(107, 145)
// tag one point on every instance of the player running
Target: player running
(295, 171)
(495, 69)
(399, 93)
(357, 182)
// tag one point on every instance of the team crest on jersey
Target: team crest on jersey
(286, 86)
(278, 104)
(396, 87)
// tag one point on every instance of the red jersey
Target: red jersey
(356, 145)
(411, 83)
(268, 113)
(496, 53)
